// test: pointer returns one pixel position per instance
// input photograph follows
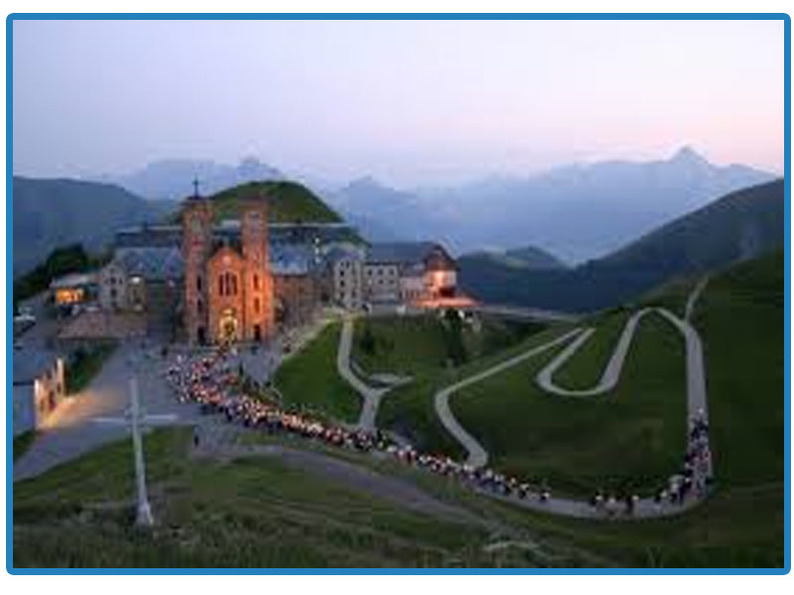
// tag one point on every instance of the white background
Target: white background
(378, 585)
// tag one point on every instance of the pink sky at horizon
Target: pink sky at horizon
(409, 102)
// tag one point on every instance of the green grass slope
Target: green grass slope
(290, 202)
(740, 319)
(250, 512)
(309, 379)
(583, 370)
(632, 438)
(409, 410)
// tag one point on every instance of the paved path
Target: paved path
(370, 396)
(693, 297)
(72, 430)
(219, 439)
(611, 374)
(696, 405)
(476, 454)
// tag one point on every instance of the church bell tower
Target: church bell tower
(196, 248)
(258, 276)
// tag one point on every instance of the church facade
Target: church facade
(228, 282)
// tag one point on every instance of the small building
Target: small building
(409, 272)
(39, 385)
(73, 289)
(296, 284)
(145, 281)
(345, 268)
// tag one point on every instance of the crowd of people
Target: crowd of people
(214, 384)
(692, 482)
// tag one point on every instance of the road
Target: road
(370, 396)
(476, 454)
(72, 431)
(697, 404)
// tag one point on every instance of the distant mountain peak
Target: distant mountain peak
(687, 154)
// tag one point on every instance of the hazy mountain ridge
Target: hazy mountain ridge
(577, 212)
(55, 212)
(172, 179)
(739, 226)
(526, 258)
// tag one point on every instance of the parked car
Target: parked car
(25, 318)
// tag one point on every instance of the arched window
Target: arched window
(256, 305)
(220, 285)
(198, 283)
(233, 279)
(256, 281)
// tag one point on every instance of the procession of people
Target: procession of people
(214, 383)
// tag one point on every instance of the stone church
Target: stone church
(228, 283)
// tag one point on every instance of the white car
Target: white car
(25, 318)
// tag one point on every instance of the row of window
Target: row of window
(227, 284)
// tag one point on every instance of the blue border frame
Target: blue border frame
(380, 17)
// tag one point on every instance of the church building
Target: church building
(228, 284)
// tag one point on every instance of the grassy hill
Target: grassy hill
(309, 379)
(290, 202)
(411, 345)
(632, 438)
(262, 511)
(738, 226)
(527, 258)
(247, 512)
(635, 438)
(51, 213)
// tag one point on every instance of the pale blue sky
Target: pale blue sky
(408, 102)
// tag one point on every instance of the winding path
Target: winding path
(371, 396)
(696, 400)
(477, 456)
(611, 375)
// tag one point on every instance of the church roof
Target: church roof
(291, 259)
(401, 253)
(152, 263)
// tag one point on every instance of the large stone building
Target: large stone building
(235, 280)
(228, 285)
(409, 273)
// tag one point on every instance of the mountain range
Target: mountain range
(48, 213)
(737, 227)
(577, 212)
(172, 179)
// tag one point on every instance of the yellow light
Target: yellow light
(69, 295)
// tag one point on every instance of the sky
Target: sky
(408, 102)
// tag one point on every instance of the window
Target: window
(256, 281)
(199, 306)
(198, 283)
(256, 305)
(227, 284)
